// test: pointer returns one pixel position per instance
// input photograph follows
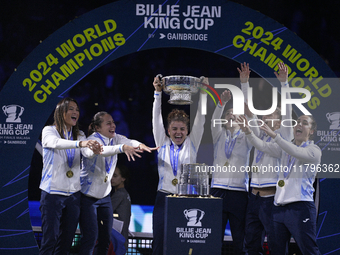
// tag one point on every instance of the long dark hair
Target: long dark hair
(314, 126)
(59, 121)
(96, 121)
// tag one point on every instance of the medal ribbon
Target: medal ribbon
(260, 153)
(174, 157)
(291, 160)
(70, 152)
(107, 164)
(229, 145)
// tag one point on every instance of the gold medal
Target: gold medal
(174, 181)
(281, 183)
(226, 164)
(255, 169)
(106, 177)
(69, 174)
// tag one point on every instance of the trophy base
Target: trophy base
(180, 98)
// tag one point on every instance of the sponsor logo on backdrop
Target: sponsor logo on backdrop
(13, 113)
(334, 119)
(195, 19)
(330, 139)
(13, 131)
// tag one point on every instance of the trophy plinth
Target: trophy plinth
(180, 88)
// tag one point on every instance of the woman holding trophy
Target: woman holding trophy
(176, 149)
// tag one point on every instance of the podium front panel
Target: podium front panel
(192, 225)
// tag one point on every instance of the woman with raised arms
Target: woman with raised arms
(294, 212)
(176, 149)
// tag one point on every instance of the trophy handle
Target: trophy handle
(201, 83)
(160, 77)
(22, 110)
(4, 109)
(186, 213)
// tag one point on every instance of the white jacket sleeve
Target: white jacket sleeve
(51, 139)
(157, 120)
(198, 126)
(309, 154)
(244, 88)
(216, 128)
(272, 149)
(121, 139)
(107, 151)
(112, 150)
(286, 132)
(254, 126)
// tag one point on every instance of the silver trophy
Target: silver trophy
(193, 180)
(180, 87)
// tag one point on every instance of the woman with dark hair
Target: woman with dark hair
(176, 149)
(120, 199)
(60, 182)
(96, 209)
(294, 212)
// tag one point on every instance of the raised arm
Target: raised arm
(271, 149)
(198, 126)
(216, 125)
(157, 120)
(282, 76)
(244, 79)
(310, 154)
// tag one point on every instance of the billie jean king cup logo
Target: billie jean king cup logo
(13, 113)
(334, 119)
(194, 217)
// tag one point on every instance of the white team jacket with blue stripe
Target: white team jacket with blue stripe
(187, 154)
(298, 183)
(54, 179)
(94, 173)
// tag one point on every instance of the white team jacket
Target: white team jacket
(262, 179)
(235, 177)
(188, 152)
(94, 173)
(298, 184)
(54, 179)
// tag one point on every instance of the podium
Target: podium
(193, 225)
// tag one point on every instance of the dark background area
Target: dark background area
(124, 87)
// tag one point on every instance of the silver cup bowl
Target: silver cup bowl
(180, 88)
